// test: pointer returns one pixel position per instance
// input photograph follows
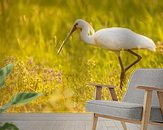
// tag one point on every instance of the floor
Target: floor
(50, 121)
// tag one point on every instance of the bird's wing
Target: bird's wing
(121, 39)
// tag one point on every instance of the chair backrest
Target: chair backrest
(146, 77)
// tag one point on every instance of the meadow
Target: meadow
(31, 32)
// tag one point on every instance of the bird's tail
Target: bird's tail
(148, 43)
(151, 45)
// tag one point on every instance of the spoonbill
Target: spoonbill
(116, 39)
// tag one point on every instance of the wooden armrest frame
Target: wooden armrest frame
(150, 88)
(101, 85)
(148, 100)
(159, 93)
(98, 91)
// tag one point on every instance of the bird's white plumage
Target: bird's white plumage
(117, 38)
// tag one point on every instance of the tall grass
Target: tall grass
(31, 32)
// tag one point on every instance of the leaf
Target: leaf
(5, 107)
(9, 126)
(23, 98)
(4, 72)
(9, 68)
(2, 82)
(20, 98)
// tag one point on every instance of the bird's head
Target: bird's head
(78, 24)
(81, 24)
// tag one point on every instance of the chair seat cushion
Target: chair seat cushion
(125, 110)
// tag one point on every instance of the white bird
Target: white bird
(116, 39)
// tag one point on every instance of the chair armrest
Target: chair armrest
(98, 91)
(148, 88)
(101, 85)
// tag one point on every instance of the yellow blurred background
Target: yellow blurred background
(31, 32)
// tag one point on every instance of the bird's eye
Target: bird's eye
(76, 23)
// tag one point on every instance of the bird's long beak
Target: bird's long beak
(66, 39)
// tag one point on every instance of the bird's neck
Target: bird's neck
(85, 37)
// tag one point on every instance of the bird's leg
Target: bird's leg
(136, 61)
(123, 70)
(122, 76)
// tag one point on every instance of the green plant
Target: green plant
(8, 126)
(4, 72)
(18, 99)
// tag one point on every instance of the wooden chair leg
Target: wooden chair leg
(95, 119)
(146, 109)
(160, 98)
(124, 125)
(113, 94)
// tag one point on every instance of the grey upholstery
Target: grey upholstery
(132, 105)
(124, 110)
(146, 77)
